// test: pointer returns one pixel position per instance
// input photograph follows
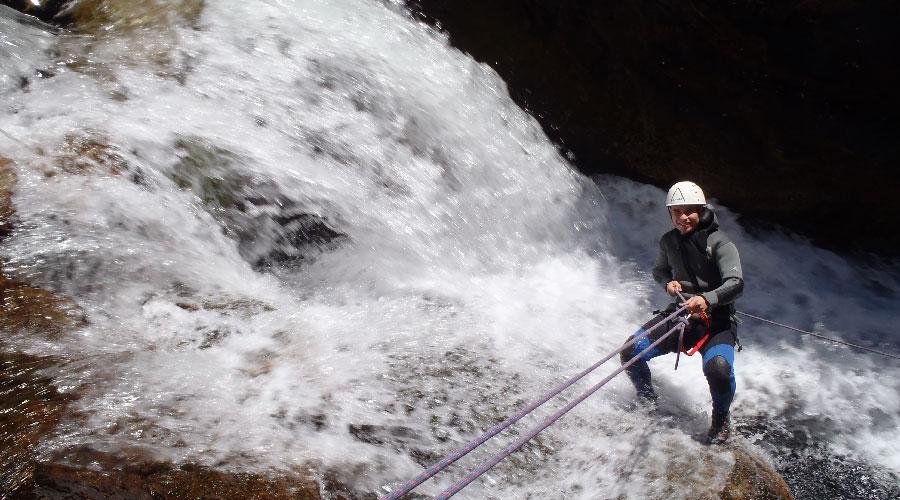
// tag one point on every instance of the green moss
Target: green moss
(209, 172)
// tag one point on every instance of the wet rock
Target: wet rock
(730, 472)
(99, 475)
(272, 229)
(89, 153)
(753, 478)
(26, 308)
(335, 482)
(784, 111)
(86, 473)
(30, 407)
(148, 27)
(246, 308)
(31, 309)
(210, 173)
(7, 188)
(809, 467)
(112, 16)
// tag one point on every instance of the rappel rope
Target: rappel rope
(829, 339)
(14, 138)
(804, 332)
(449, 459)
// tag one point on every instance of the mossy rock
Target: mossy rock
(100, 17)
(281, 232)
(209, 172)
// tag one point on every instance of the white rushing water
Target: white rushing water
(475, 268)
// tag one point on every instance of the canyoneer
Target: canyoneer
(697, 260)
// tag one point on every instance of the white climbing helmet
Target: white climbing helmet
(685, 193)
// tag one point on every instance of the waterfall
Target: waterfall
(313, 232)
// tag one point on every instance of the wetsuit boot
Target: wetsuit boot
(719, 373)
(720, 428)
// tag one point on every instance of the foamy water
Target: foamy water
(476, 269)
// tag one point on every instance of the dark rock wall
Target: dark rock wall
(787, 111)
(44, 10)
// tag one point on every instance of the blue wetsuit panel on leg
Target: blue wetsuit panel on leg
(722, 395)
(639, 372)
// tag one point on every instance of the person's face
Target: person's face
(685, 217)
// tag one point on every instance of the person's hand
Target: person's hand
(673, 287)
(696, 304)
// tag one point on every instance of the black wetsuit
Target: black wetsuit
(705, 262)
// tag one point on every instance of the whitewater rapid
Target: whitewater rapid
(474, 267)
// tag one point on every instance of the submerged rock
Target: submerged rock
(111, 16)
(88, 153)
(105, 476)
(149, 28)
(85, 473)
(810, 467)
(30, 407)
(753, 478)
(8, 181)
(27, 308)
(272, 229)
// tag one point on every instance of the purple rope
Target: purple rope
(453, 457)
(454, 489)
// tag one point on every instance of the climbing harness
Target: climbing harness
(693, 350)
(453, 457)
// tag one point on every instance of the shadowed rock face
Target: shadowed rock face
(785, 111)
(46, 10)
